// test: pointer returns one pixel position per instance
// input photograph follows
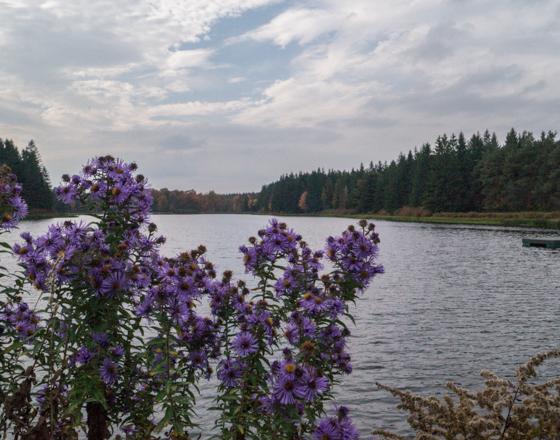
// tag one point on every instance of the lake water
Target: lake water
(454, 300)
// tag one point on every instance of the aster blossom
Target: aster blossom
(123, 331)
(339, 427)
(12, 206)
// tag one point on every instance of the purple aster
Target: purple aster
(109, 371)
(292, 333)
(313, 304)
(336, 428)
(245, 344)
(326, 430)
(229, 372)
(287, 390)
(198, 359)
(67, 193)
(102, 339)
(117, 351)
(21, 319)
(347, 430)
(19, 207)
(83, 356)
(12, 206)
(313, 386)
(113, 284)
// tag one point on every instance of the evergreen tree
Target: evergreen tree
(35, 180)
(455, 175)
(31, 173)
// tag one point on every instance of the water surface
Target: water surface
(454, 300)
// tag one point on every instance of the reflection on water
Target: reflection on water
(453, 300)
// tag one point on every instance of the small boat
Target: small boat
(542, 243)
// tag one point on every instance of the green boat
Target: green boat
(542, 243)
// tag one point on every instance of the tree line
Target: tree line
(453, 175)
(191, 202)
(28, 167)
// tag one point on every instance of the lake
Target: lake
(454, 300)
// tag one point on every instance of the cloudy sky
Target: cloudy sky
(230, 94)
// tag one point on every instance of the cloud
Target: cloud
(183, 59)
(229, 94)
(384, 56)
(195, 108)
(299, 25)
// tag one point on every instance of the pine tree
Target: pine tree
(35, 180)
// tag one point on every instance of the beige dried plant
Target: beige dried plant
(522, 409)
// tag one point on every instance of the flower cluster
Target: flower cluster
(276, 241)
(80, 254)
(295, 384)
(300, 309)
(12, 206)
(336, 428)
(122, 324)
(21, 319)
(109, 185)
(354, 253)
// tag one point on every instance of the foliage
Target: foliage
(523, 409)
(28, 168)
(190, 201)
(115, 344)
(453, 175)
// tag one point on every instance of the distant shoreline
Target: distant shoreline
(535, 220)
(44, 215)
(534, 223)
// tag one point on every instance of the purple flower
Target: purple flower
(83, 356)
(113, 284)
(102, 339)
(245, 344)
(336, 428)
(276, 241)
(117, 351)
(229, 372)
(112, 182)
(312, 303)
(313, 386)
(20, 318)
(287, 390)
(326, 430)
(354, 252)
(109, 371)
(12, 207)
(129, 430)
(198, 359)
(67, 193)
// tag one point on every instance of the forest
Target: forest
(192, 202)
(453, 175)
(27, 166)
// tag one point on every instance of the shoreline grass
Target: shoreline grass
(44, 215)
(534, 220)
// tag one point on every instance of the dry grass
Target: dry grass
(524, 409)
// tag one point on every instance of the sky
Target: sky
(228, 95)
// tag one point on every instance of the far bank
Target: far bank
(542, 220)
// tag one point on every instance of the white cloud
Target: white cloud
(382, 58)
(189, 58)
(320, 83)
(195, 108)
(296, 25)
